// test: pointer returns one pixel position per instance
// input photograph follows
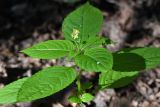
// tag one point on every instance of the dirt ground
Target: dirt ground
(129, 23)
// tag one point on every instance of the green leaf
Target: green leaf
(72, 54)
(109, 41)
(92, 42)
(128, 62)
(74, 99)
(84, 22)
(87, 97)
(46, 82)
(50, 49)
(95, 59)
(137, 59)
(42, 84)
(116, 79)
(87, 85)
(9, 93)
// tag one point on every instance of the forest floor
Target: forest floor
(129, 23)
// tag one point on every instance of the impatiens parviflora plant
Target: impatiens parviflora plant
(85, 48)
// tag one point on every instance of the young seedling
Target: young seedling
(85, 48)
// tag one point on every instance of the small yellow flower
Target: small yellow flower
(75, 33)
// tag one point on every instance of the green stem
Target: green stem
(79, 82)
(79, 87)
(77, 46)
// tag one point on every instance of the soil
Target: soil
(134, 23)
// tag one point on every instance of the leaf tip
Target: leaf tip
(23, 51)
